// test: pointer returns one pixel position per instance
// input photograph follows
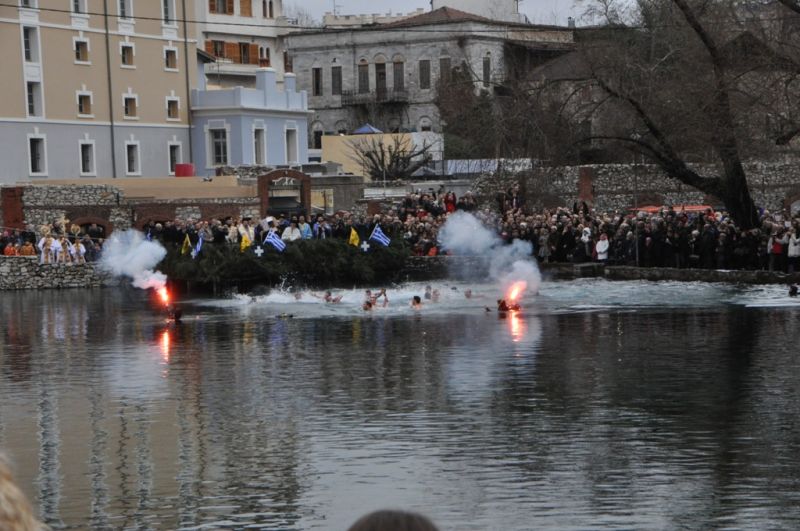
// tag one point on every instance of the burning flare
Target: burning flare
(516, 290)
(164, 295)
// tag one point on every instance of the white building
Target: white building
(388, 74)
(333, 21)
(243, 35)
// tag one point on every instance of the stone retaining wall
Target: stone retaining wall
(23, 272)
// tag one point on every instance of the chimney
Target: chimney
(289, 82)
(571, 22)
(266, 79)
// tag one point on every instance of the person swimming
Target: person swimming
(428, 293)
(373, 299)
(435, 296)
(367, 306)
(416, 302)
(503, 306)
(328, 297)
(793, 290)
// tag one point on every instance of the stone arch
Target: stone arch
(398, 58)
(317, 130)
(792, 202)
(379, 58)
(266, 180)
(108, 227)
(425, 124)
(154, 213)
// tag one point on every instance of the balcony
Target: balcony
(352, 97)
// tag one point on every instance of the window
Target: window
(399, 76)
(125, 9)
(36, 155)
(244, 53)
(29, 3)
(271, 10)
(30, 44)
(81, 51)
(130, 106)
(167, 12)
(487, 71)
(245, 8)
(264, 10)
(34, 98)
(87, 158)
(84, 104)
(444, 69)
(318, 139)
(173, 106)
(132, 158)
(425, 124)
(170, 59)
(363, 78)
(425, 74)
(219, 6)
(336, 80)
(263, 56)
(219, 147)
(174, 157)
(291, 146)
(79, 6)
(258, 146)
(316, 82)
(219, 48)
(127, 53)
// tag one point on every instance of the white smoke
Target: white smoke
(131, 255)
(464, 234)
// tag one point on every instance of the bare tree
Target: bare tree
(686, 85)
(395, 160)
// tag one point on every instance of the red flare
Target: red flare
(516, 289)
(164, 294)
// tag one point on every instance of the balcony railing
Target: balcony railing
(352, 97)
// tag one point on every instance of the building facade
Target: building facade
(265, 126)
(242, 35)
(94, 94)
(388, 74)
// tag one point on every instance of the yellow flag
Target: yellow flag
(245, 243)
(354, 240)
(187, 245)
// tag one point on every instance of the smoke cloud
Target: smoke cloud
(130, 255)
(464, 234)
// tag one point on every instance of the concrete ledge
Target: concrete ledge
(699, 275)
(25, 272)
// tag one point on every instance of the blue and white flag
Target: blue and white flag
(149, 235)
(379, 236)
(198, 247)
(275, 240)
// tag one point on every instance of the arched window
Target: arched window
(363, 76)
(425, 124)
(271, 9)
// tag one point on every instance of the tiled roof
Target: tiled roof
(438, 16)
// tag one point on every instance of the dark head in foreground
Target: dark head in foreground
(793, 290)
(393, 521)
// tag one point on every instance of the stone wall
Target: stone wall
(22, 272)
(613, 186)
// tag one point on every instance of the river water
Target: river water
(602, 406)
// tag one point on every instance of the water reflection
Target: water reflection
(655, 419)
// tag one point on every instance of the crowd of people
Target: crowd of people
(56, 243)
(668, 237)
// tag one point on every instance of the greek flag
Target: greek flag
(275, 240)
(149, 236)
(196, 250)
(379, 236)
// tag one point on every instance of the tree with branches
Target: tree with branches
(397, 159)
(686, 82)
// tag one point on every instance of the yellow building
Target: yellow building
(95, 88)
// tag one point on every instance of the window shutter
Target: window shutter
(245, 8)
(254, 54)
(210, 47)
(232, 51)
(229, 6)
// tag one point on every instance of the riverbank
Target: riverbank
(20, 273)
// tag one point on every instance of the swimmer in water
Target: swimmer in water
(435, 296)
(428, 294)
(374, 298)
(793, 290)
(416, 302)
(503, 306)
(328, 297)
(367, 306)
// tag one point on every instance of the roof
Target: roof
(442, 15)
(205, 57)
